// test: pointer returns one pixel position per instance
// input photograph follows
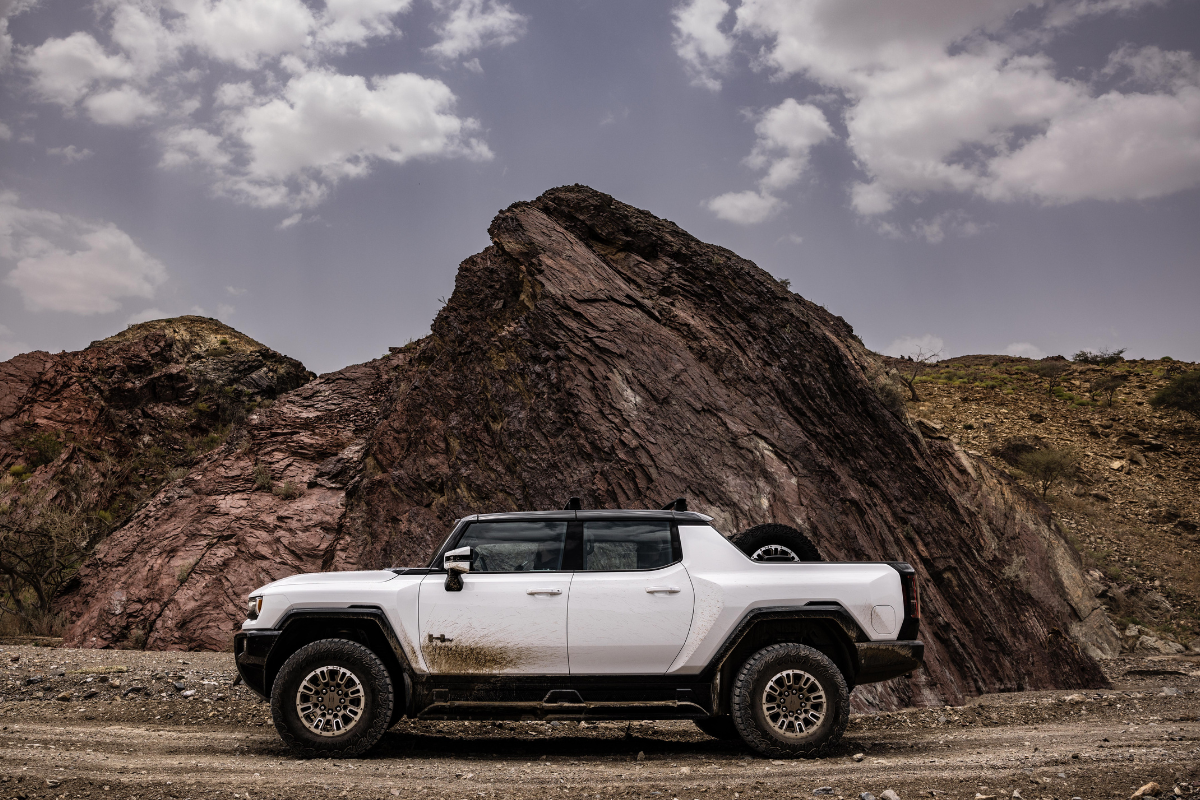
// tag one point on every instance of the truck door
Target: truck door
(511, 615)
(631, 605)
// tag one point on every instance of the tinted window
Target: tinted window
(515, 546)
(626, 545)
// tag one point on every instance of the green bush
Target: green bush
(286, 491)
(1104, 357)
(45, 446)
(1181, 394)
(19, 471)
(1048, 466)
(262, 477)
(202, 407)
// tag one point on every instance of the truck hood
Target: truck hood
(308, 578)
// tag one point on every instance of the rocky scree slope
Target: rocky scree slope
(596, 350)
(87, 436)
(1132, 508)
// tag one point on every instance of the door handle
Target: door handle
(544, 591)
(664, 589)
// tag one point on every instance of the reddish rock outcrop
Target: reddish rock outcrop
(596, 350)
(86, 437)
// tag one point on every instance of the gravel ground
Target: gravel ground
(126, 724)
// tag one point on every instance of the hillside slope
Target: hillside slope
(1132, 509)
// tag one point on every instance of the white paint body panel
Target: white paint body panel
(617, 632)
(507, 623)
(728, 585)
(616, 627)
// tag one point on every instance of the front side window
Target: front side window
(515, 546)
(619, 546)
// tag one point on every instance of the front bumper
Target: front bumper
(879, 661)
(250, 651)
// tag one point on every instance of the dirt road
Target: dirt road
(169, 725)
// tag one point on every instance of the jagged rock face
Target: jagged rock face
(112, 420)
(596, 350)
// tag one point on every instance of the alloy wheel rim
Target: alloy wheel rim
(330, 701)
(793, 703)
(774, 552)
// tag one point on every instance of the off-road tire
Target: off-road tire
(377, 703)
(751, 540)
(721, 727)
(750, 686)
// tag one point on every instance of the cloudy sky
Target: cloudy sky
(960, 175)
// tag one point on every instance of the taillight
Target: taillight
(912, 595)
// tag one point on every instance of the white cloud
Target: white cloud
(288, 222)
(1064, 14)
(1148, 144)
(224, 311)
(9, 344)
(120, 107)
(943, 96)
(70, 153)
(915, 346)
(63, 263)
(785, 135)
(1024, 350)
(327, 127)
(6, 133)
(246, 90)
(745, 208)
(471, 25)
(700, 42)
(64, 70)
(954, 223)
(236, 291)
(353, 22)
(870, 199)
(247, 32)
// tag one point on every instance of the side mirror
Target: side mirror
(457, 563)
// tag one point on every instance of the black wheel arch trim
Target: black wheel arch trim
(831, 616)
(260, 654)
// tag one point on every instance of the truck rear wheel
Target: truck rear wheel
(332, 698)
(774, 542)
(789, 701)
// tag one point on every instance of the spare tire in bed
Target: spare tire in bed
(774, 542)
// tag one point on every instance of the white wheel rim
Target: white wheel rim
(774, 552)
(330, 701)
(793, 703)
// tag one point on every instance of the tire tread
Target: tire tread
(348, 650)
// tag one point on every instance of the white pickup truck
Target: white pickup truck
(585, 615)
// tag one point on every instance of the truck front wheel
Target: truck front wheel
(790, 701)
(332, 698)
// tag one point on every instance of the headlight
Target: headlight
(255, 607)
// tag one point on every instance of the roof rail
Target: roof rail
(679, 504)
(574, 504)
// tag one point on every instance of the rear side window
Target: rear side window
(515, 546)
(618, 546)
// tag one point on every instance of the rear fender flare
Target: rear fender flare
(828, 627)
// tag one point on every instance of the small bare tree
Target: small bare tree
(1052, 371)
(1107, 385)
(917, 363)
(44, 536)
